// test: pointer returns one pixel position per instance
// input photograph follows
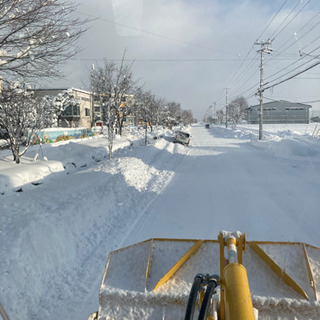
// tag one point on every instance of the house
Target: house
(100, 103)
(77, 115)
(280, 112)
(315, 119)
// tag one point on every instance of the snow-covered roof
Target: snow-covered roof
(281, 103)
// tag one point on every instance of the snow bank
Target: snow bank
(55, 235)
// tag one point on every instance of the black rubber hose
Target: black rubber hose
(193, 297)
(206, 300)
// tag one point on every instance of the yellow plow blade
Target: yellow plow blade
(152, 279)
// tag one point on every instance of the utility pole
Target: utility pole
(215, 116)
(226, 107)
(264, 49)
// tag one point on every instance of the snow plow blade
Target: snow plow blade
(152, 279)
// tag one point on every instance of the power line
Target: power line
(272, 99)
(271, 21)
(284, 20)
(295, 40)
(313, 41)
(300, 37)
(233, 79)
(291, 77)
(307, 78)
(301, 58)
(284, 80)
(246, 69)
(297, 32)
(291, 19)
(165, 59)
(161, 59)
(157, 34)
(244, 83)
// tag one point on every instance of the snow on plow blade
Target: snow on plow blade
(152, 279)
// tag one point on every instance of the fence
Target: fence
(52, 135)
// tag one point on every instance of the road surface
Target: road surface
(225, 183)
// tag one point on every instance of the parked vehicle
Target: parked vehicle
(182, 137)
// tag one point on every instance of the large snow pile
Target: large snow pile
(75, 207)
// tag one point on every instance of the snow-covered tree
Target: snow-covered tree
(158, 111)
(59, 103)
(114, 83)
(37, 37)
(21, 116)
(237, 109)
(175, 110)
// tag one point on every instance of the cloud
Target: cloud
(188, 51)
(128, 13)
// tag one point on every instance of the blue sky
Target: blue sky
(190, 51)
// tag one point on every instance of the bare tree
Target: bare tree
(115, 84)
(237, 109)
(159, 111)
(219, 116)
(37, 37)
(111, 120)
(21, 116)
(186, 117)
(143, 99)
(149, 109)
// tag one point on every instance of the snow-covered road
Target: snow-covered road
(226, 183)
(56, 236)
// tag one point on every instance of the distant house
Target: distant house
(78, 115)
(100, 103)
(280, 112)
(315, 119)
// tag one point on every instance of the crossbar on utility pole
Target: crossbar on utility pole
(264, 49)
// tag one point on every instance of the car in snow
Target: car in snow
(182, 137)
(207, 126)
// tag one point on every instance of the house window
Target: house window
(73, 110)
(87, 111)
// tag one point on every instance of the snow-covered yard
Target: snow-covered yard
(77, 206)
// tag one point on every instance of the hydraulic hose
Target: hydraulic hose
(212, 284)
(201, 282)
(196, 287)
